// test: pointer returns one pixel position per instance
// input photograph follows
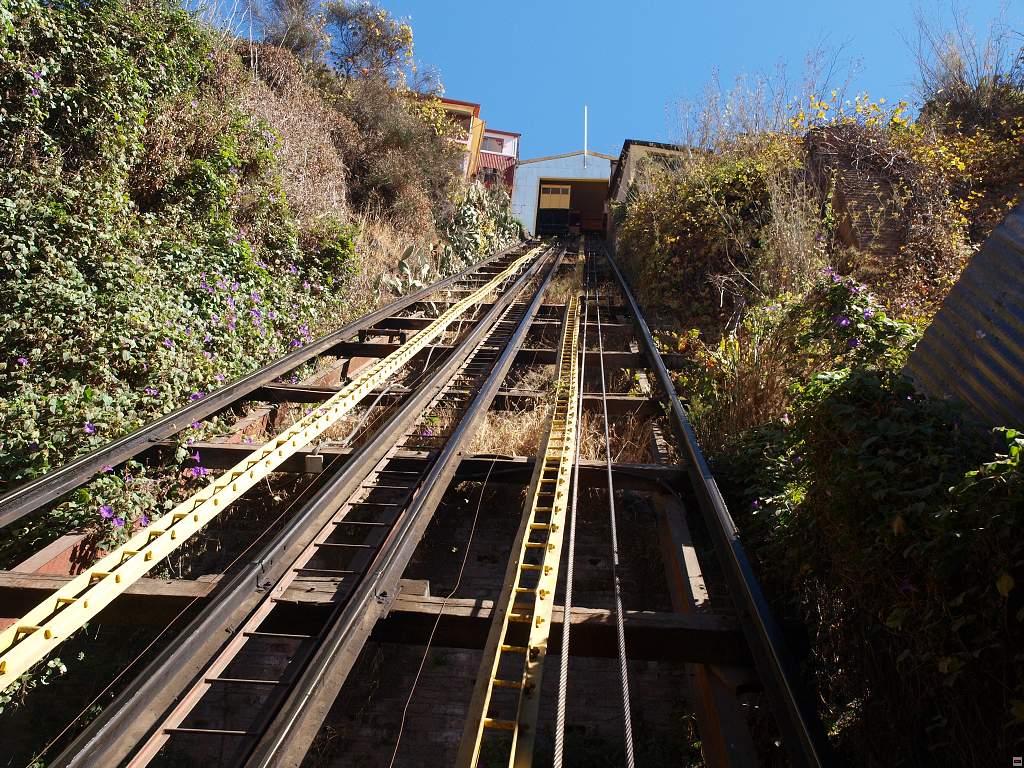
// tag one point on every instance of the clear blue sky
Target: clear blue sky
(532, 65)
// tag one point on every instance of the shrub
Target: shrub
(899, 560)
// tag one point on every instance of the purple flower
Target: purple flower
(853, 343)
(755, 504)
(118, 522)
(231, 302)
(195, 425)
(168, 343)
(196, 396)
(144, 520)
(106, 512)
(255, 297)
(305, 285)
(256, 313)
(89, 428)
(295, 343)
(428, 432)
(22, 361)
(234, 286)
(207, 355)
(219, 378)
(107, 468)
(869, 313)
(207, 338)
(199, 471)
(842, 321)
(151, 391)
(34, 92)
(37, 75)
(271, 314)
(293, 269)
(195, 457)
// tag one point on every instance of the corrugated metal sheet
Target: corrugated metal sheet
(494, 160)
(974, 349)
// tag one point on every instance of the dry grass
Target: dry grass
(562, 287)
(514, 432)
(313, 173)
(630, 439)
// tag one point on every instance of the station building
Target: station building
(566, 193)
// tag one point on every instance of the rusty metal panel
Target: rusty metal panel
(974, 349)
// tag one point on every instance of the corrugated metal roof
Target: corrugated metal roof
(494, 160)
(974, 349)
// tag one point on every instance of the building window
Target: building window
(492, 144)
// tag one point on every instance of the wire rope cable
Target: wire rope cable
(616, 583)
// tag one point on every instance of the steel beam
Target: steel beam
(506, 399)
(506, 469)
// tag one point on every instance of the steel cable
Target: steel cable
(617, 585)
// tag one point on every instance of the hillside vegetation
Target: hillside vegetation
(178, 207)
(803, 260)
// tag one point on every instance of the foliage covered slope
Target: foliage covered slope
(177, 209)
(797, 268)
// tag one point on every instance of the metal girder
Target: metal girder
(506, 399)
(47, 625)
(527, 356)
(652, 636)
(506, 469)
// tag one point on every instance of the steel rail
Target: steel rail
(51, 622)
(33, 495)
(110, 738)
(801, 731)
(288, 737)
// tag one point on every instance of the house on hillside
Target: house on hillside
(499, 154)
(466, 115)
(635, 156)
(560, 194)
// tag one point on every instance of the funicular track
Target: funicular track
(251, 680)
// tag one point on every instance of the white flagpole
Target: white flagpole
(584, 135)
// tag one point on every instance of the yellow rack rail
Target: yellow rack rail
(47, 625)
(513, 660)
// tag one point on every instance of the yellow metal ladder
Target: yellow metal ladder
(510, 673)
